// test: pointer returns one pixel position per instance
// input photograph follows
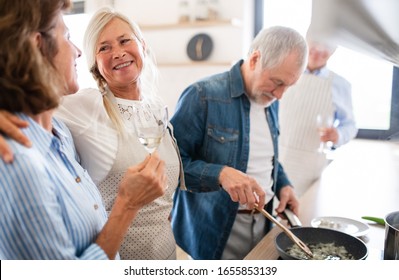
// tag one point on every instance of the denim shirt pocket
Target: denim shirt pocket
(221, 145)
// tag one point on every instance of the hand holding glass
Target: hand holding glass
(150, 125)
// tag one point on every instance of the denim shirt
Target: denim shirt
(212, 130)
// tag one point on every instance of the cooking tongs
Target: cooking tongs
(292, 236)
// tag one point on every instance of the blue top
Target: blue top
(342, 101)
(50, 207)
(212, 130)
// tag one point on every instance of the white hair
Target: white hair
(276, 43)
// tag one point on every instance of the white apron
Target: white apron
(299, 139)
(150, 235)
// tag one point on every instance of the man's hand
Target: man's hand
(329, 134)
(289, 200)
(241, 187)
(11, 126)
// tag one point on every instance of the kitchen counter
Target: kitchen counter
(362, 180)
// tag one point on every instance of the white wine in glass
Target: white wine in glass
(323, 122)
(150, 123)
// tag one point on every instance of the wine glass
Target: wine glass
(324, 122)
(150, 124)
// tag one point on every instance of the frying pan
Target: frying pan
(310, 235)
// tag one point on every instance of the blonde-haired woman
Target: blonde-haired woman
(100, 122)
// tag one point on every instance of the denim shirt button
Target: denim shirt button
(222, 139)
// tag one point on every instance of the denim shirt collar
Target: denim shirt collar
(236, 80)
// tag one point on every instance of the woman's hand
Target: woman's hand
(11, 126)
(144, 182)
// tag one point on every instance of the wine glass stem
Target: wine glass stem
(321, 147)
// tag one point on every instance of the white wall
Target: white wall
(174, 80)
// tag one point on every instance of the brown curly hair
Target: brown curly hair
(28, 80)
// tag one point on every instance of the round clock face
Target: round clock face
(199, 47)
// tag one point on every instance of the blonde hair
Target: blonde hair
(149, 74)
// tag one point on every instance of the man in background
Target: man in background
(316, 115)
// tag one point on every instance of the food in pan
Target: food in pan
(321, 251)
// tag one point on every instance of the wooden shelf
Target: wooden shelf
(193, 24)
(195, 64)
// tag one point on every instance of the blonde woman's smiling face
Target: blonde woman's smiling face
(119, 54)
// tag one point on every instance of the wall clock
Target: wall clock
(199, 47)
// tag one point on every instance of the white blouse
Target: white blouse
(95, 138)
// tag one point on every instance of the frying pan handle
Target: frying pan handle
(293, 219)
